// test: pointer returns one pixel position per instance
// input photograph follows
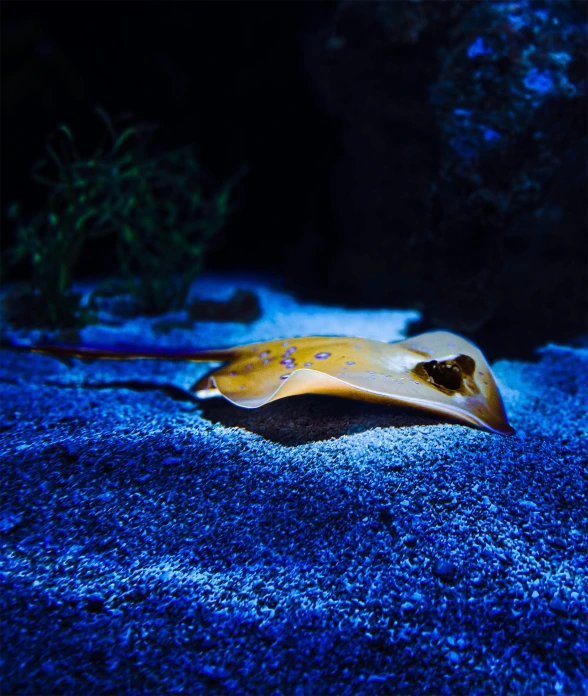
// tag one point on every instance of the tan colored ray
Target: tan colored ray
(437, 372)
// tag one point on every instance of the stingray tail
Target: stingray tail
(124, 352)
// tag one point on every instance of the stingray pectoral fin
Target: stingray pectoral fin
(313, 382)
(473, 411)
(299, 382)
(488, 414)
(205, 387)
(457, 376)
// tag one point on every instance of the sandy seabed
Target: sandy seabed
(152, 543)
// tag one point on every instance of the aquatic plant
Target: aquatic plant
(160, 211)
(51, 251)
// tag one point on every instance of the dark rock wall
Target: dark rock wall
(461, 179)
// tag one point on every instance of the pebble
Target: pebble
(8, 522)
(558, 606)
(445, 570)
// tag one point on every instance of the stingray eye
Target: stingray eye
(446, 373)
(467, 364)
(452, 375)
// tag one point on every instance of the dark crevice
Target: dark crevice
(305, 419)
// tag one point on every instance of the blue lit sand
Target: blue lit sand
(155, 544)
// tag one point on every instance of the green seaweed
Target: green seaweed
(159, 210)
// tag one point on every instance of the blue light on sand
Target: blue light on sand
(541, 15)
(517, 22)
(540, 82)
(561, 58)
(491, 135)
(478, 48)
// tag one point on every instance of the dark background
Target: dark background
(366, 184)
(226, 76)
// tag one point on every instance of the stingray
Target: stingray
(437, 372)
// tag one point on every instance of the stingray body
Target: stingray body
(438, 372)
